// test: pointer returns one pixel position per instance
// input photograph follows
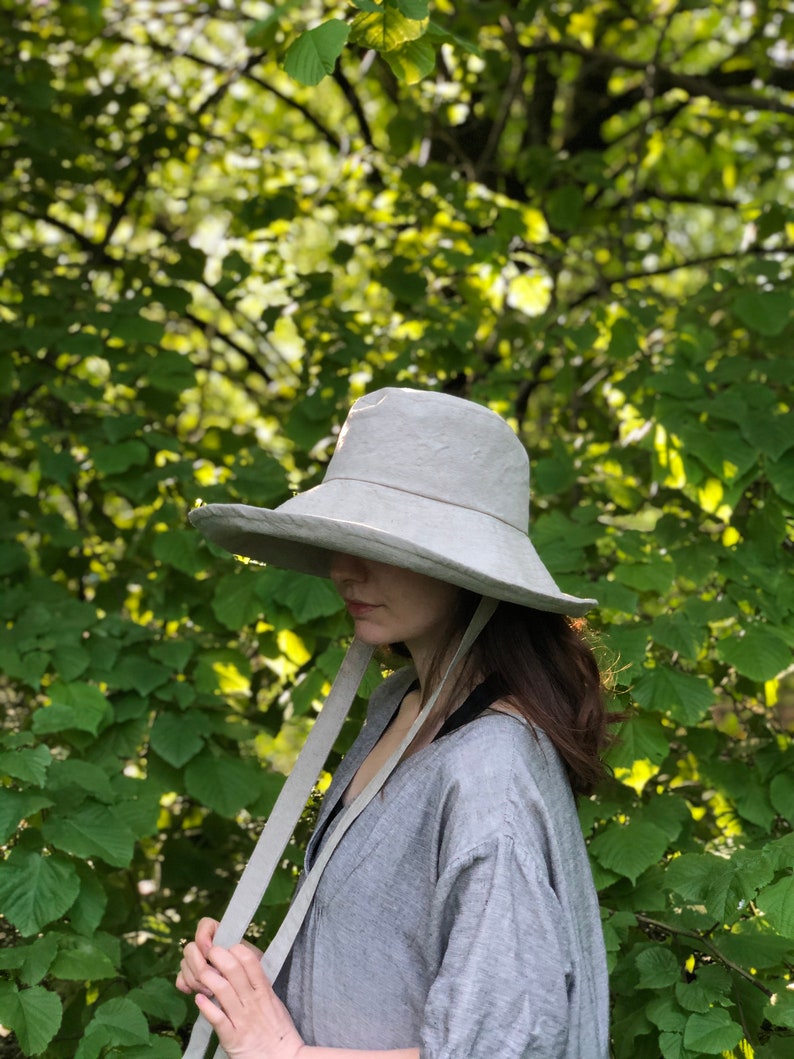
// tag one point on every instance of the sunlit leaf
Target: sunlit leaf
(385, 29)
(758, 653)
(312, 56)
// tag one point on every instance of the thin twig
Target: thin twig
(705, 944)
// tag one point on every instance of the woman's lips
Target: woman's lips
(357, 608)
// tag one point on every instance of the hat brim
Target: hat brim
(461, 546)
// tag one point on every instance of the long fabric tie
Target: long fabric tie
(291, 802)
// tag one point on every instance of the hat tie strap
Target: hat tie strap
(284, 817)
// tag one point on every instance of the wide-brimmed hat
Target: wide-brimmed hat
(420, 480)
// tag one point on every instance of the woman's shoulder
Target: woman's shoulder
(500, 735)
(499, 765)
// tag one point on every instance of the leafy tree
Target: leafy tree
(223, 223)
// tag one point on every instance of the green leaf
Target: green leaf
(118, 1022)
(658, 968)
(404, 279)
(115, 459)
(308, 598)
(781, 791)
(671, 1045)
(712, 1032)
(16, 806)
(179, 737)
(70, 661)
(685, 696)
(676, 632)
(312, 56)
(173, 653)
(757, 654)
(59, 466)
(629, 643)
(170, 371)
(642, 737)
(76, 705)
(781, 475)
(160, 998)
(92, 831)
(655, 576)
(29, 764)
(117, 427)
(385, 30)
(780, 1009)
(35, 890)
(13, 557)
(415, 9)
(772, 434)
(33, 961)
(89, 778)
(717, 883)
(412, 61)
(765, 312)
(777, 904)
(629, 849)
(222, 784)
(86, 913)
(135, 671)
(237, 599)
(564, 210)
(80, 959)
(33, 1014)
(665, 1013)
(181, 549)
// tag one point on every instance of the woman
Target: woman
(455, 916)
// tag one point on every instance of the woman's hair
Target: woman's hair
(547, 671)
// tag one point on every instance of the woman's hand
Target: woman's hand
(250, 1020)
(194, 960)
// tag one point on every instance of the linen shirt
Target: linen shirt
(458, 914)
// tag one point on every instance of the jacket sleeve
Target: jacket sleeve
(505, 972)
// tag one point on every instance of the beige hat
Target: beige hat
(421, 480)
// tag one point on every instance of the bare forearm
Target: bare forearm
(309, 1052)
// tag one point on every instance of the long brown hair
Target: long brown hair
(548, 673)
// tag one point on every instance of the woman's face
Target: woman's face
(392, 605)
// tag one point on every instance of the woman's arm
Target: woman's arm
(251, 1021)
(350, 1053)
(236, 998)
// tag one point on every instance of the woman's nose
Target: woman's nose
(346, 568)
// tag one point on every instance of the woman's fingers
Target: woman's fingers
(194, 957)
(205, 934)
(248, 961)
(191, 970)
(237, 966)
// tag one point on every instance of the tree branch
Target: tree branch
(211, 331)
(171, 53)
(699, 939)
(355, 103)
(665, 270)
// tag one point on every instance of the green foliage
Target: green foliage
(581, 217)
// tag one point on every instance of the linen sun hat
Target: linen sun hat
(421, 480)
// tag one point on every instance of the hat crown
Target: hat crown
(436, 446)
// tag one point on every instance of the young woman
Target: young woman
(455, 917)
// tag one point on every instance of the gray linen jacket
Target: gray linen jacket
(458, 914)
